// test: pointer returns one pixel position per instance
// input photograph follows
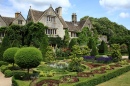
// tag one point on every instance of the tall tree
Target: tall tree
(50, 55)
(43, 46)
(103, 47)
(73, 42)
(66, 39)
(94, 51)
(83, 36)
(5, 45)
(91, 43)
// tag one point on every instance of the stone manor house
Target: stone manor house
(52, 18)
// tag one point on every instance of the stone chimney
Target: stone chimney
(17, 14)
(74, 18)
(59, 11)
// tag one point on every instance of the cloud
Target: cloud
(124, 15)
(24, 5)
(115, 4)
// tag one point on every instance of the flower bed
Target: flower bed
(48, 82)
(85, 74)
(105, 77)
(69, 79)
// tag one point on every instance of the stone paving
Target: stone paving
(4, 81)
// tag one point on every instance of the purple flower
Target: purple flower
(88, 57)
(104, 59)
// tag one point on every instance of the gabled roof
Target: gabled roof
(63, 22)
(8, 20)
(78, 25)
(36, 15)
(18, 16)
(75, 26)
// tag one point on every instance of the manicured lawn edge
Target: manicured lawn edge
(105, 77)
(94, 80)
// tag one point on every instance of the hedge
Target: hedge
(8, 73)
(105, 77)
(14, 83)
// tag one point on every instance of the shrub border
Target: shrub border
(105, 77)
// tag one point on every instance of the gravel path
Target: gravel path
(4, 81)
(124, 57)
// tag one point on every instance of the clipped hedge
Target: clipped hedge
(9, 54)
(3, 63)
(105, 77)
(20, 75)
(28, 57)
(14, 83)
(3, 68)
(8, 73)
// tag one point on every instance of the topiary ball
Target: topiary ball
(28, 57)
(9, 54)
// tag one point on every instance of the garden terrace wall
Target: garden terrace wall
(105, 77)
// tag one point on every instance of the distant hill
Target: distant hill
(104, 26)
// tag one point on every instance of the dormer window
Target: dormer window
(73, 34)
(19, 21)
(51, 18)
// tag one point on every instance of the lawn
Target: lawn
(123, 80)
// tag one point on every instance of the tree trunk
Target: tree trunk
(28, 77)
(129, 51)
(28, 71)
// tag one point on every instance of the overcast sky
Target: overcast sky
(116, 10)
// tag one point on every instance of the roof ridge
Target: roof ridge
(36, 10)
(8, 17)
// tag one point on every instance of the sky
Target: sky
(115, 10)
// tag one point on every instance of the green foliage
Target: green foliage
(106, 27)
(83, 36)
(50, 55)
(94, 51)
(8, 73)
(129, 51)
(20, 75)
(73, 42)
(105, 77)
(28, 57)
(124, 48)
(91, 43)
(3, 68)
(116, 54)
(9, 54)
(29, 34)
(5, 45)
(66, 38)
(3, 63)
(56, 41)
(75, 64)
(85, 51)
(43, 46)
(103, 48)
(123, 62)
(58, 52)
(76, 50)
(14, 83)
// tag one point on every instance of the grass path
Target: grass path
(122, 80)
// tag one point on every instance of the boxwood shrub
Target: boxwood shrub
(105, 77)
(20, 75)
(14, 83)
(3, 63)
(9, 54)
(8, 73)
(3, 68)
